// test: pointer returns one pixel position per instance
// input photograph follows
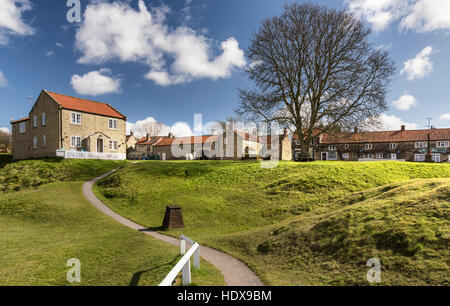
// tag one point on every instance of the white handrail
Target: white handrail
(185, 263)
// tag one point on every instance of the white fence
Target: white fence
(184, 264)
(90, 155)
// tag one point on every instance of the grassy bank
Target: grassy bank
(44, 224)
(237, 206)
(15, 176)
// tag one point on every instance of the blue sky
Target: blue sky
(170, 59)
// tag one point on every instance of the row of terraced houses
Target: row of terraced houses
(70, 127)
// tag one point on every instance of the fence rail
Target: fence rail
(90, 155)
(184, 264)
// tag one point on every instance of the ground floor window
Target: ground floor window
(35, 142)
(380, 155)
(332, 156)
(436, 158)
(113, 145)
(44, 141)
(345, 156)
(419, 157)
(75, 141)
(393, 156)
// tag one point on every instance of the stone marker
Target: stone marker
(173, 218)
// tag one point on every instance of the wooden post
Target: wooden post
(182, 247)
(187, 273)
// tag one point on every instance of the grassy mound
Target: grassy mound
(43, 228)
(314, 223)
(407, 227)
(33, 173)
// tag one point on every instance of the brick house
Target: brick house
(144, 147)
(70, 127)
(403, 145)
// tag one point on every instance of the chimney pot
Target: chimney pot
(170, 135)
(403, 128)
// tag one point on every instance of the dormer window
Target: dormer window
(75, 118)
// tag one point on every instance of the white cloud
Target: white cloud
(5, 130)
(49, 53)
(59, 45)
(379, 13)
(11, 19)
(391, 122)
(179, 129)
(420, 66)
(116, 31)
(3, 80)
(445, 117)
(96, 83)
(428, 15)
(416, 15)
(405, 102)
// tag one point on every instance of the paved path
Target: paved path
(234, 271)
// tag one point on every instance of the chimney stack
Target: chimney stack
(356, 129)
(148, 136)
(171, 135)
(285, 134)
(131, 133)
(403, 128)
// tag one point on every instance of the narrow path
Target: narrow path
(235, 272)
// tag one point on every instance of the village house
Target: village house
(144, 147)
(402, 145)
(69, 127)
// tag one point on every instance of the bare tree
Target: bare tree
(315, 71)
(5, 141)
(152, 128)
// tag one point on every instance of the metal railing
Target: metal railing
(90, 155)
(184, 265)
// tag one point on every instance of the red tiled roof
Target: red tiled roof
(187, 140)
(151, 141)
(20, 120)
(87, 106)
(387, 136)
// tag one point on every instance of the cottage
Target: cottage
(70, 127)
(403, 145)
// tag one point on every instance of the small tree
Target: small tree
(152, 128)
(5, 141)
(315, 71)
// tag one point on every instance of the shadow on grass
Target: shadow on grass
(153, 229)
(137, 276)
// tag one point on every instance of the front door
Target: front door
(99, 145)
(324, 155)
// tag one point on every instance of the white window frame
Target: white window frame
(393, 156)
(380, 155)
(44, 141)
(345, 155)
(368, 156)
(347, 146)
(114, 125)
(433, 157)
(35, 142)
(442, 144)
(75, 118)
(332, 148)
(113, 145)
(332, 156)
(22, 127)
(35, 121)
(393, 146)
(420, 144)
(368, 146)
(297, 142)
(419, 157)
(43, 119)
(74, 141)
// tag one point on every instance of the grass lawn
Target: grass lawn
(273, 219)
(41, 228)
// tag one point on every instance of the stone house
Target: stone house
(144, 147)
(70, 127)
(284, 151)
(403, 145)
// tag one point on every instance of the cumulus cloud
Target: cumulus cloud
(116, 31)
(391, 122)
(3, 80)
(428, 15)
(11, 19)
(405, 102)
(415, 15)
(179, 129)
(96, 83)
(445, 117)
(420, 66)
(5, 130)
(379, 13)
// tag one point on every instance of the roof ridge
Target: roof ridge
(57, 93)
